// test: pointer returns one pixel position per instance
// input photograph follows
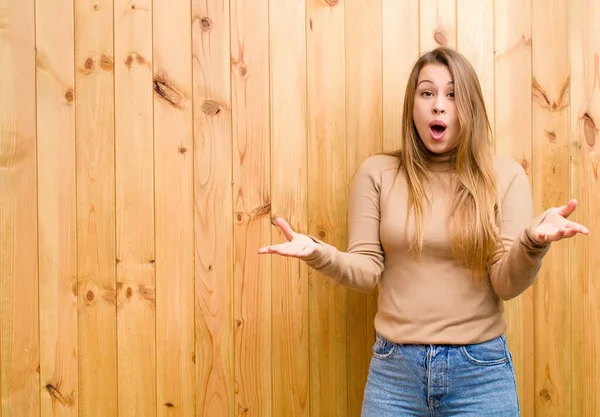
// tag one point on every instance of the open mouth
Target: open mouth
(438, 129)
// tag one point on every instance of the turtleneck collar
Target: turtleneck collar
(441, 161)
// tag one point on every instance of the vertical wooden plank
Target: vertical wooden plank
(287, 23)
(19, 337)
(475, 40)
(174, 208)
(400, 45)
(585, 263)
(553, 289)
(57, 214)
(327, 205)
(364, 121)
(437, 24)
(213, 208)
(252, 205)
(513, 138)
(134, 149)
(94, 128)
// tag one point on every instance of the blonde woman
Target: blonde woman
(446, 231)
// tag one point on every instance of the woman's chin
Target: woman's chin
(438, 147)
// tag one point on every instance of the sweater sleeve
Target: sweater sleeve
(360, 267)
(518, 259)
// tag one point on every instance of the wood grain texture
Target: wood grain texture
(475, 40)
(134, 153)
(585, 187)
(287, 21)
(172, 132)
(19, 308)
(554, 289)
(327, 204)
(95, 163)
(174, 209)
(213, 208)
(512, 109)
(437, 24)
(400, 47)
(57, 213)
(512, 104)
(364, 122)
(252, 206)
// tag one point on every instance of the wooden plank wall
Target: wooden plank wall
(146, 145)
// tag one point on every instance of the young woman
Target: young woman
(446, 230)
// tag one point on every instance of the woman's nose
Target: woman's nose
(439, 107)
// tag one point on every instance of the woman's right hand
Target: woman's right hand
(298, 245)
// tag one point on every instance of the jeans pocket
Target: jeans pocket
(383, 348)
(492, 352)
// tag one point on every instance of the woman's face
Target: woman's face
(434, 111)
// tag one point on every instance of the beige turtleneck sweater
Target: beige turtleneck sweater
(432, 300)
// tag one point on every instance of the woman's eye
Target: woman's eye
(426, 94)
(451, 95)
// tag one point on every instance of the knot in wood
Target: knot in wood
(205, 24)
(440, 38)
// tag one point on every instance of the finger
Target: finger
(264, 249)
(553, 237)
(578, 227)
(540, 237)
(285, 228)
(292, 249)
(271, 248)
(563, 233)
(548, 237)
(568, 208)
(284, 249)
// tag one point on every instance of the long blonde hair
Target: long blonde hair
(474, 212)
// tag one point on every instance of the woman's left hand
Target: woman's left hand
(555, 225)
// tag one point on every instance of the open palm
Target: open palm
(555, 225)
(297, 246)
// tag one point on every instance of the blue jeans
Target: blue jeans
(441, 380)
